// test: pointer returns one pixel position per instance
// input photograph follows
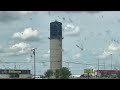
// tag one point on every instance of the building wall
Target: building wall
(55, 54)
(20, 76)
(24, 76)
(4, 75)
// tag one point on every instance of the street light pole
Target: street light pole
(104, 64)
(111, 61)
(34, 62)
(98, 63)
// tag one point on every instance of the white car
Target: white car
(36, 77)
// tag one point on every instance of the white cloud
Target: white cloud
(76, 56)
(28, 59)
(16, 49)
(105, 54)
(112, 49)
(48, 51)
(71, 30)
(47, 54)
(65, 51)
(21, 45)
(17, 12)
(90, 12)
(7, 16)
(28, 34)
(2, 49)
(20, 48)
(24, 12)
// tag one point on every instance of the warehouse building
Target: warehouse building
(12, 73)
(107, 73)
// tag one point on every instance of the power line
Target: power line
(52, 61)
(56, 61)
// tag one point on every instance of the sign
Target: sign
(14, 71)
(88, 70)
(6, 71)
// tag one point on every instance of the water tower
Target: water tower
(55, 45)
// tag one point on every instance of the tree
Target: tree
(57, 73)
(62, 73)
(118, 75)
(48, 73)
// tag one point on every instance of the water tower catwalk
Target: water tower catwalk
(55, 45)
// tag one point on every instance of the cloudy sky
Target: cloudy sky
(88, 36)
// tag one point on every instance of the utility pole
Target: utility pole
(19, 66)
(98, 63)
(34, 62)
(88, 75)
(15, 66)
(104, 64)
(111, 61)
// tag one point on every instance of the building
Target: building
(107, 73)
(55, 45)
(12, 74)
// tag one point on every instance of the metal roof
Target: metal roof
(107, 70)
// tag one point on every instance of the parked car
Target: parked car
(86, 76)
